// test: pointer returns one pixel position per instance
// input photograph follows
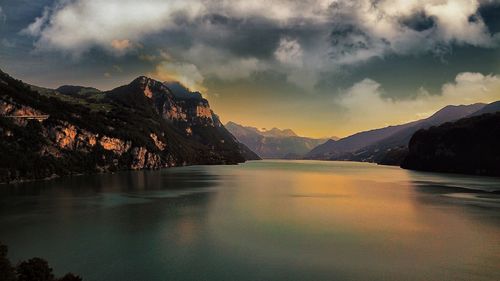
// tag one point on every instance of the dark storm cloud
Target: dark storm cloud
(348, 39)
(256, 37)
(331, 44)
(419, 21)
(490, 13)
(252, 37)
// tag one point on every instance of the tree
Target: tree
(70, 277)
(7, 272)
(35, 269)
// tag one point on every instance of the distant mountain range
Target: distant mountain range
(389, 145)
(142, 125)
(489, 108)
(273, 143)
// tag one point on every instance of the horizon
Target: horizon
(330, 70)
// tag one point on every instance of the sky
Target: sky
(320, 67)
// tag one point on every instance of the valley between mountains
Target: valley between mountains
(457, 139)
(148, 124)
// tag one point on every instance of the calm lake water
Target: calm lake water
(263, 220)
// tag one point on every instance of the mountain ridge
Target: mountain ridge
(141, 125)
(370, 146)
(274, 143)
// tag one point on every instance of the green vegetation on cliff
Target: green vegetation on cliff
(142, 125)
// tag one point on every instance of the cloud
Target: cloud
(222, 64)
(231, 39)
(7, 43)
(369, 29)
(365, 92)
(147, 57)
(470, 87)
(281, 11)
(289, 52)
(185, 73)
(3, 16)
(211, 63)
(458, 21)
(121, 45)
(351, 44)
(366, 104)
(35, 28)
(359, 29)
(76, 26)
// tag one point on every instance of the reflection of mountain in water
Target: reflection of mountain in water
(109, 190)
(478, 196)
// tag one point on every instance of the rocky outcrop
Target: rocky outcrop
(115, 145)
(10, 109)
(143, 159)
(65, 137)
(161, 146)
(203, 111)
(143, 125)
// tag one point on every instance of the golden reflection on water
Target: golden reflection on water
(186, 231)
(372, 217)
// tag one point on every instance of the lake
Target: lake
(262, 220)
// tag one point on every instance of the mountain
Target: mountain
(352, 143)
(468, 146)
(489, 108)
(274, 143)
(373, 145)
(392, 149)
(181, 92)
(77, 90)
(277, 133)
(72, 130)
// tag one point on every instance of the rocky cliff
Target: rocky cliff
(468, 146)
(142, 125)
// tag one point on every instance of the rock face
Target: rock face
(274, 143)
(468, 146)
(143, 125)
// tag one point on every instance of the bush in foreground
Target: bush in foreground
(35, 269)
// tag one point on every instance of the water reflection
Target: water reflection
(346, 216)
(268, 220)
(466, 211)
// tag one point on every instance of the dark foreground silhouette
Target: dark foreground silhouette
(35, 269)
(468, 146)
